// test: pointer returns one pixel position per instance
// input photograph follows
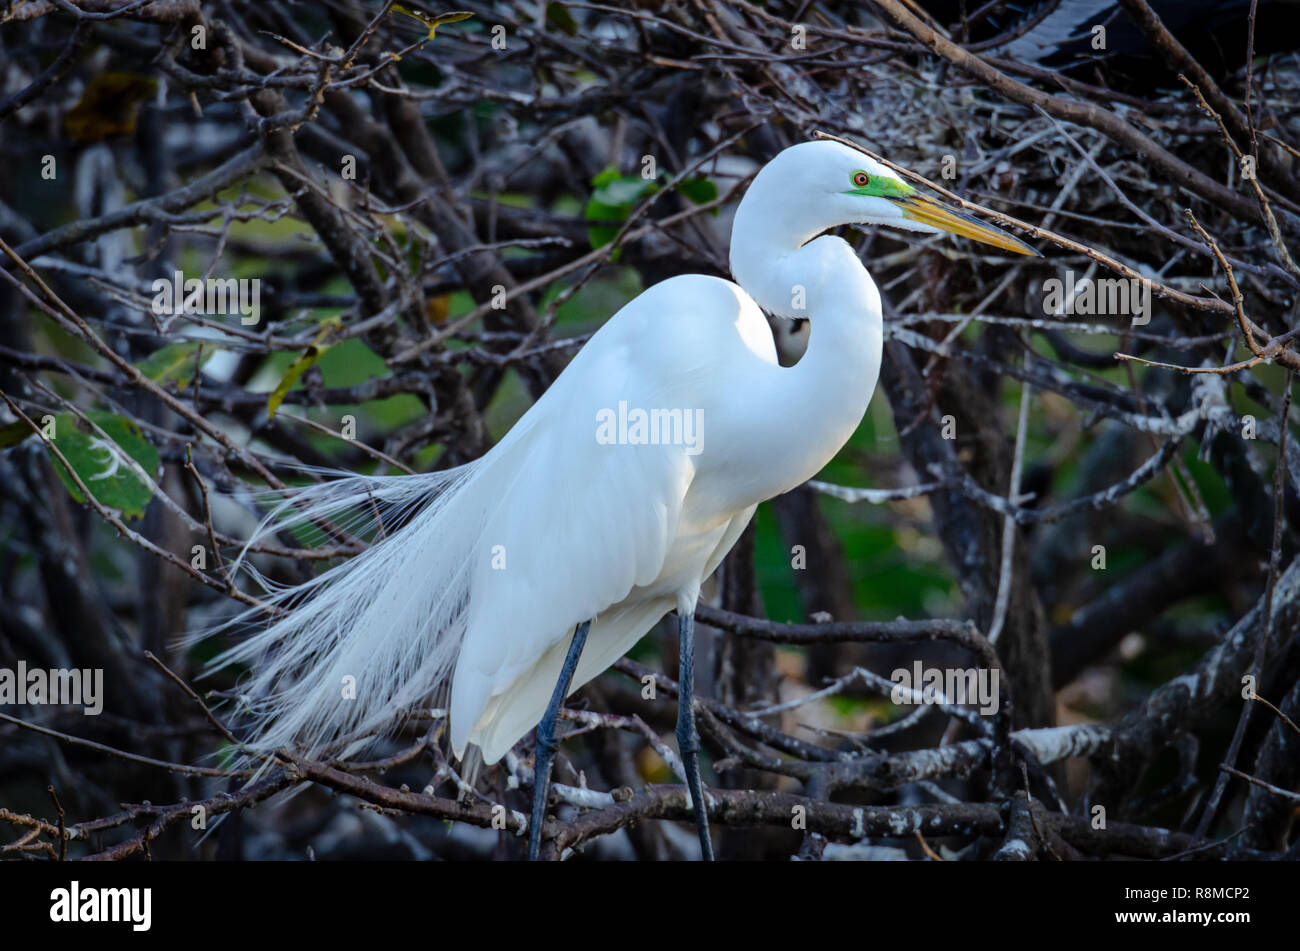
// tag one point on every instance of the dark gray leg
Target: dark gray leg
(547, 743)
(688, 737)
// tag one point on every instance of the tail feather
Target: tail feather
(370, 637)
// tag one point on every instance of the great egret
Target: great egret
(507, 583)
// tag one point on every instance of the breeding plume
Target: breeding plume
(504, 584)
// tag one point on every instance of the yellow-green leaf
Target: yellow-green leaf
(108, 106)
(304, 362)
(176, 362)
(435, 21)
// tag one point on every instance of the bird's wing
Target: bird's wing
(576, 523)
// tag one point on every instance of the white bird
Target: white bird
(507, 583)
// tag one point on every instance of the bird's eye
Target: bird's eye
(860, 179)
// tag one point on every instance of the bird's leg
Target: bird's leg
(688, 737)
(546, 741)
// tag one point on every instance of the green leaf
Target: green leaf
(613, 199)
(558, 16)
(100, 466)
(699, 190)
(601, 235)
(623, 191)
(14, 433)
(176, 362)
(605, 177)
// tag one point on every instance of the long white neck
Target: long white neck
(813, 407)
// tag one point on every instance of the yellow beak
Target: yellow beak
(927, 211)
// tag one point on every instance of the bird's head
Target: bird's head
(814, 186)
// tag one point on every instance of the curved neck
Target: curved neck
(813, 407)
